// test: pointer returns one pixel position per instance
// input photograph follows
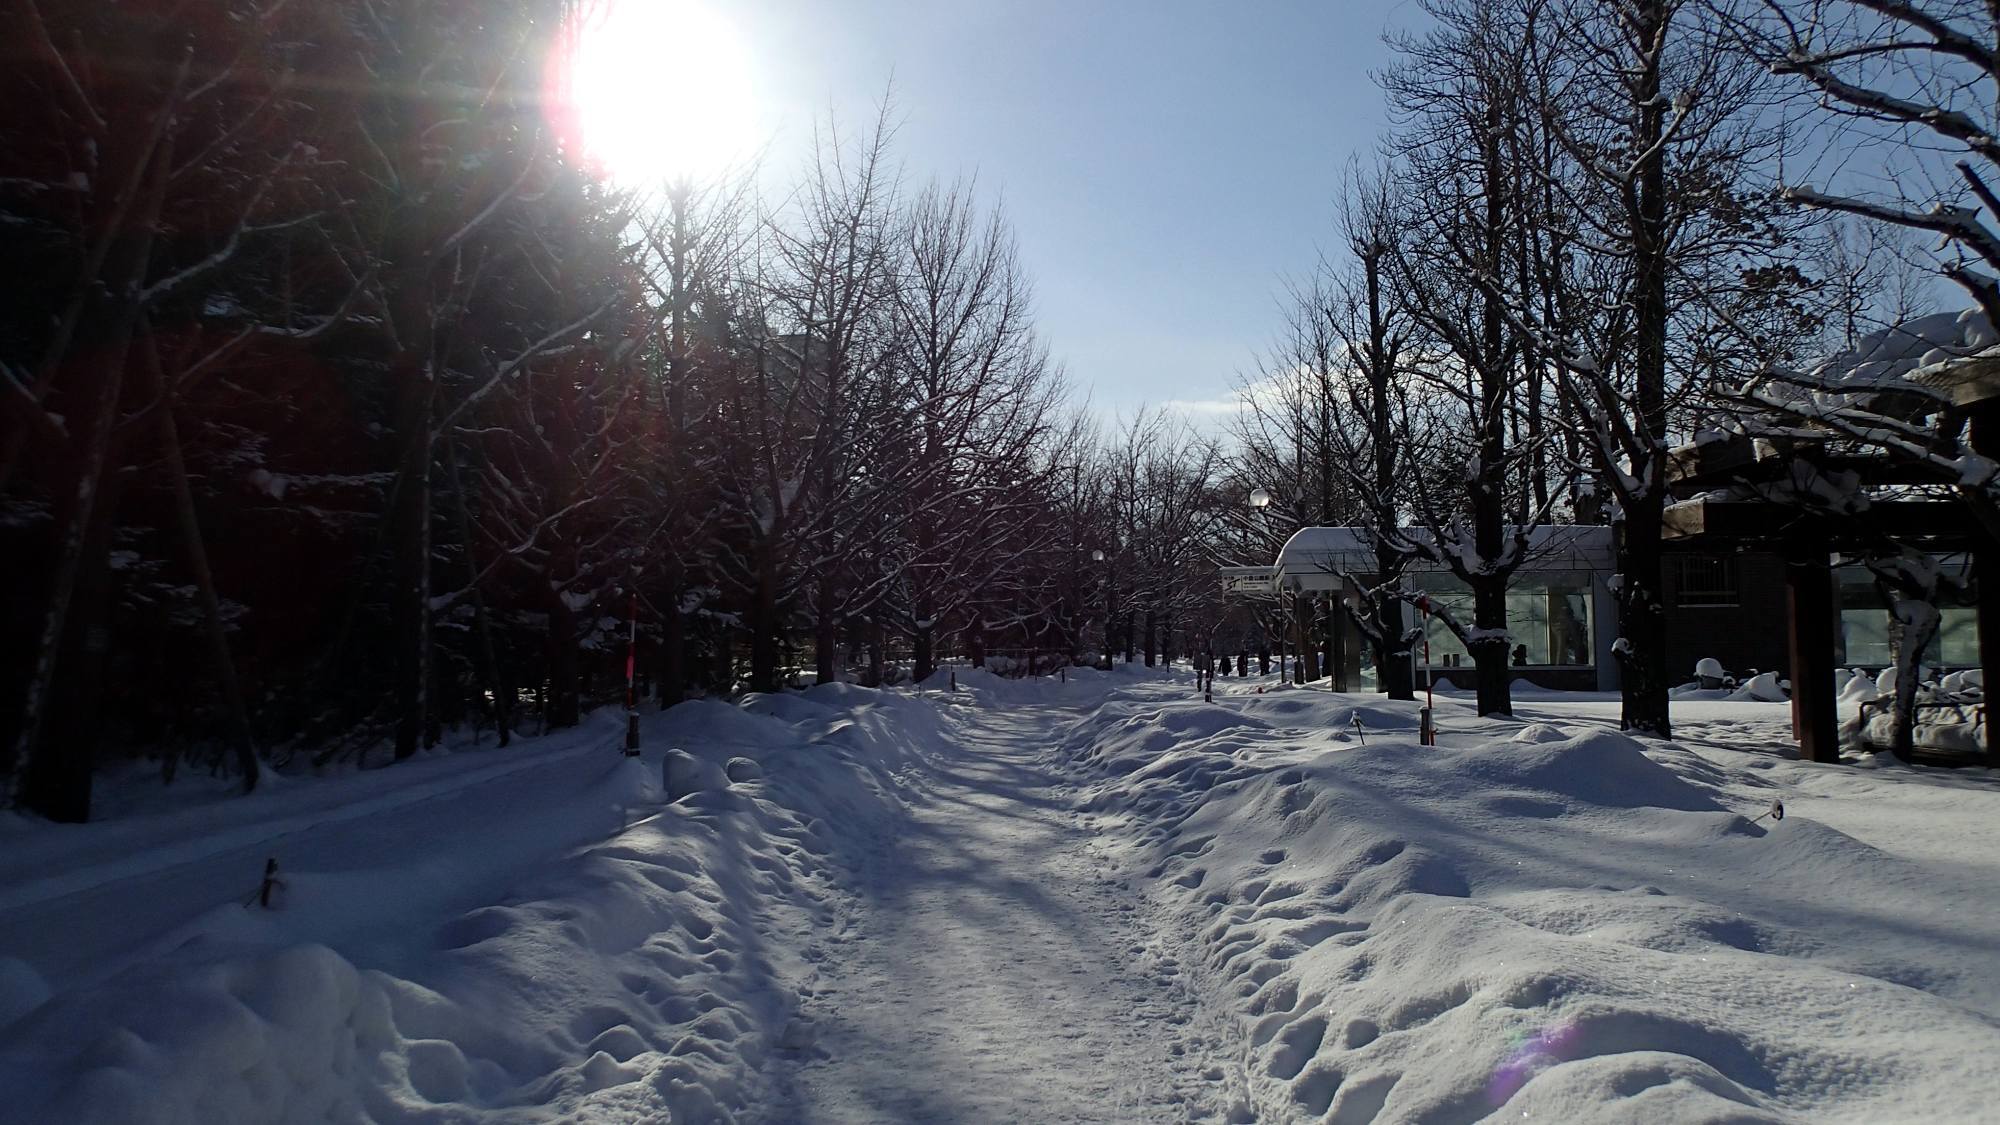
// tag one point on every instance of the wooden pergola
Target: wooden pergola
(1808, 541)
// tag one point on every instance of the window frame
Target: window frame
(1720, 587)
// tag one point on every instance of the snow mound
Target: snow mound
(1858, 687)
(1540, 732)
(1538, 923)
(1599, 767)
(685, 774)
(840, 694)
(715, 722)
(22, 989)
(655, 974)
(788, 707)
(1764, 687)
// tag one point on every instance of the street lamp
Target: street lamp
(1097, 556)
(1260, 502)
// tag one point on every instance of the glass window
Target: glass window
(1705, 581)
(1864, 622)
(1547, 613)
(1958, 637)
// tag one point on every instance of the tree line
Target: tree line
(344, 406)
(1585, 241)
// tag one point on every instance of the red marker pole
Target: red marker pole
(632, 683)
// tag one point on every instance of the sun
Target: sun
(656, 90)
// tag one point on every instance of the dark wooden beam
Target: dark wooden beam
(1938, 524)
(1710, 461)
(1983, 434)
(1970, 381)
(1809, 628)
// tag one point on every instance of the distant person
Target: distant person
(1520, 655)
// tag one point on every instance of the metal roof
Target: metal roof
(1314, 557)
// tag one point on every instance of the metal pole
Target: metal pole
(1281, 629)
(1110, 605)
(1427, 733)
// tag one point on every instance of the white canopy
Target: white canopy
(1314, 557)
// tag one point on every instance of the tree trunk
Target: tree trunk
(673, 657)
(1395, 673)
(213, 630)
(1642, 615)
(1914, 624)
(875, 655)
(1489, 648)
(826, 635)
(96, 379)
(410, 547)
(722, 670)
(502, 685)
(58, 784)
(1489, 484)
(564, 708)
(1642, 624)
(923, 654)
(764, 626)
(506, 696)
(1152, 636)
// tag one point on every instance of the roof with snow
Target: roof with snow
(1314, 555)
(1886, 359)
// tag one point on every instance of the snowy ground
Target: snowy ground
(1104, 900)
(987, 969)
(1541, 918)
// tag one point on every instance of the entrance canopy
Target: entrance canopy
(1314, 558)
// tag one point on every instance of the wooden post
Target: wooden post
(1809, 623)
(1336, 649)
(1984, 435)
(1986, 580)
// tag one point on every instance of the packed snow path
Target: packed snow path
(988, 970)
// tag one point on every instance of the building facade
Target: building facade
(1562, 610)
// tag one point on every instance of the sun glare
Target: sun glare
(658, 90)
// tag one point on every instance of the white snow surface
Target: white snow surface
(1100, 900)
(1542, 918)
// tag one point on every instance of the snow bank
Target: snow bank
(1764, 687)
(1557, 921)
(653, 975)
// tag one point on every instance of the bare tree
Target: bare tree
(1920, 80)
(981, 395)
(145, 160)
(1465, 103)
(1652, 218)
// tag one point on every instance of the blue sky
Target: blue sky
(1164, 163)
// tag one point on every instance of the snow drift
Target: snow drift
(651, 975)
(1555, 920)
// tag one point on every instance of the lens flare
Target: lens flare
(1530, 1056)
